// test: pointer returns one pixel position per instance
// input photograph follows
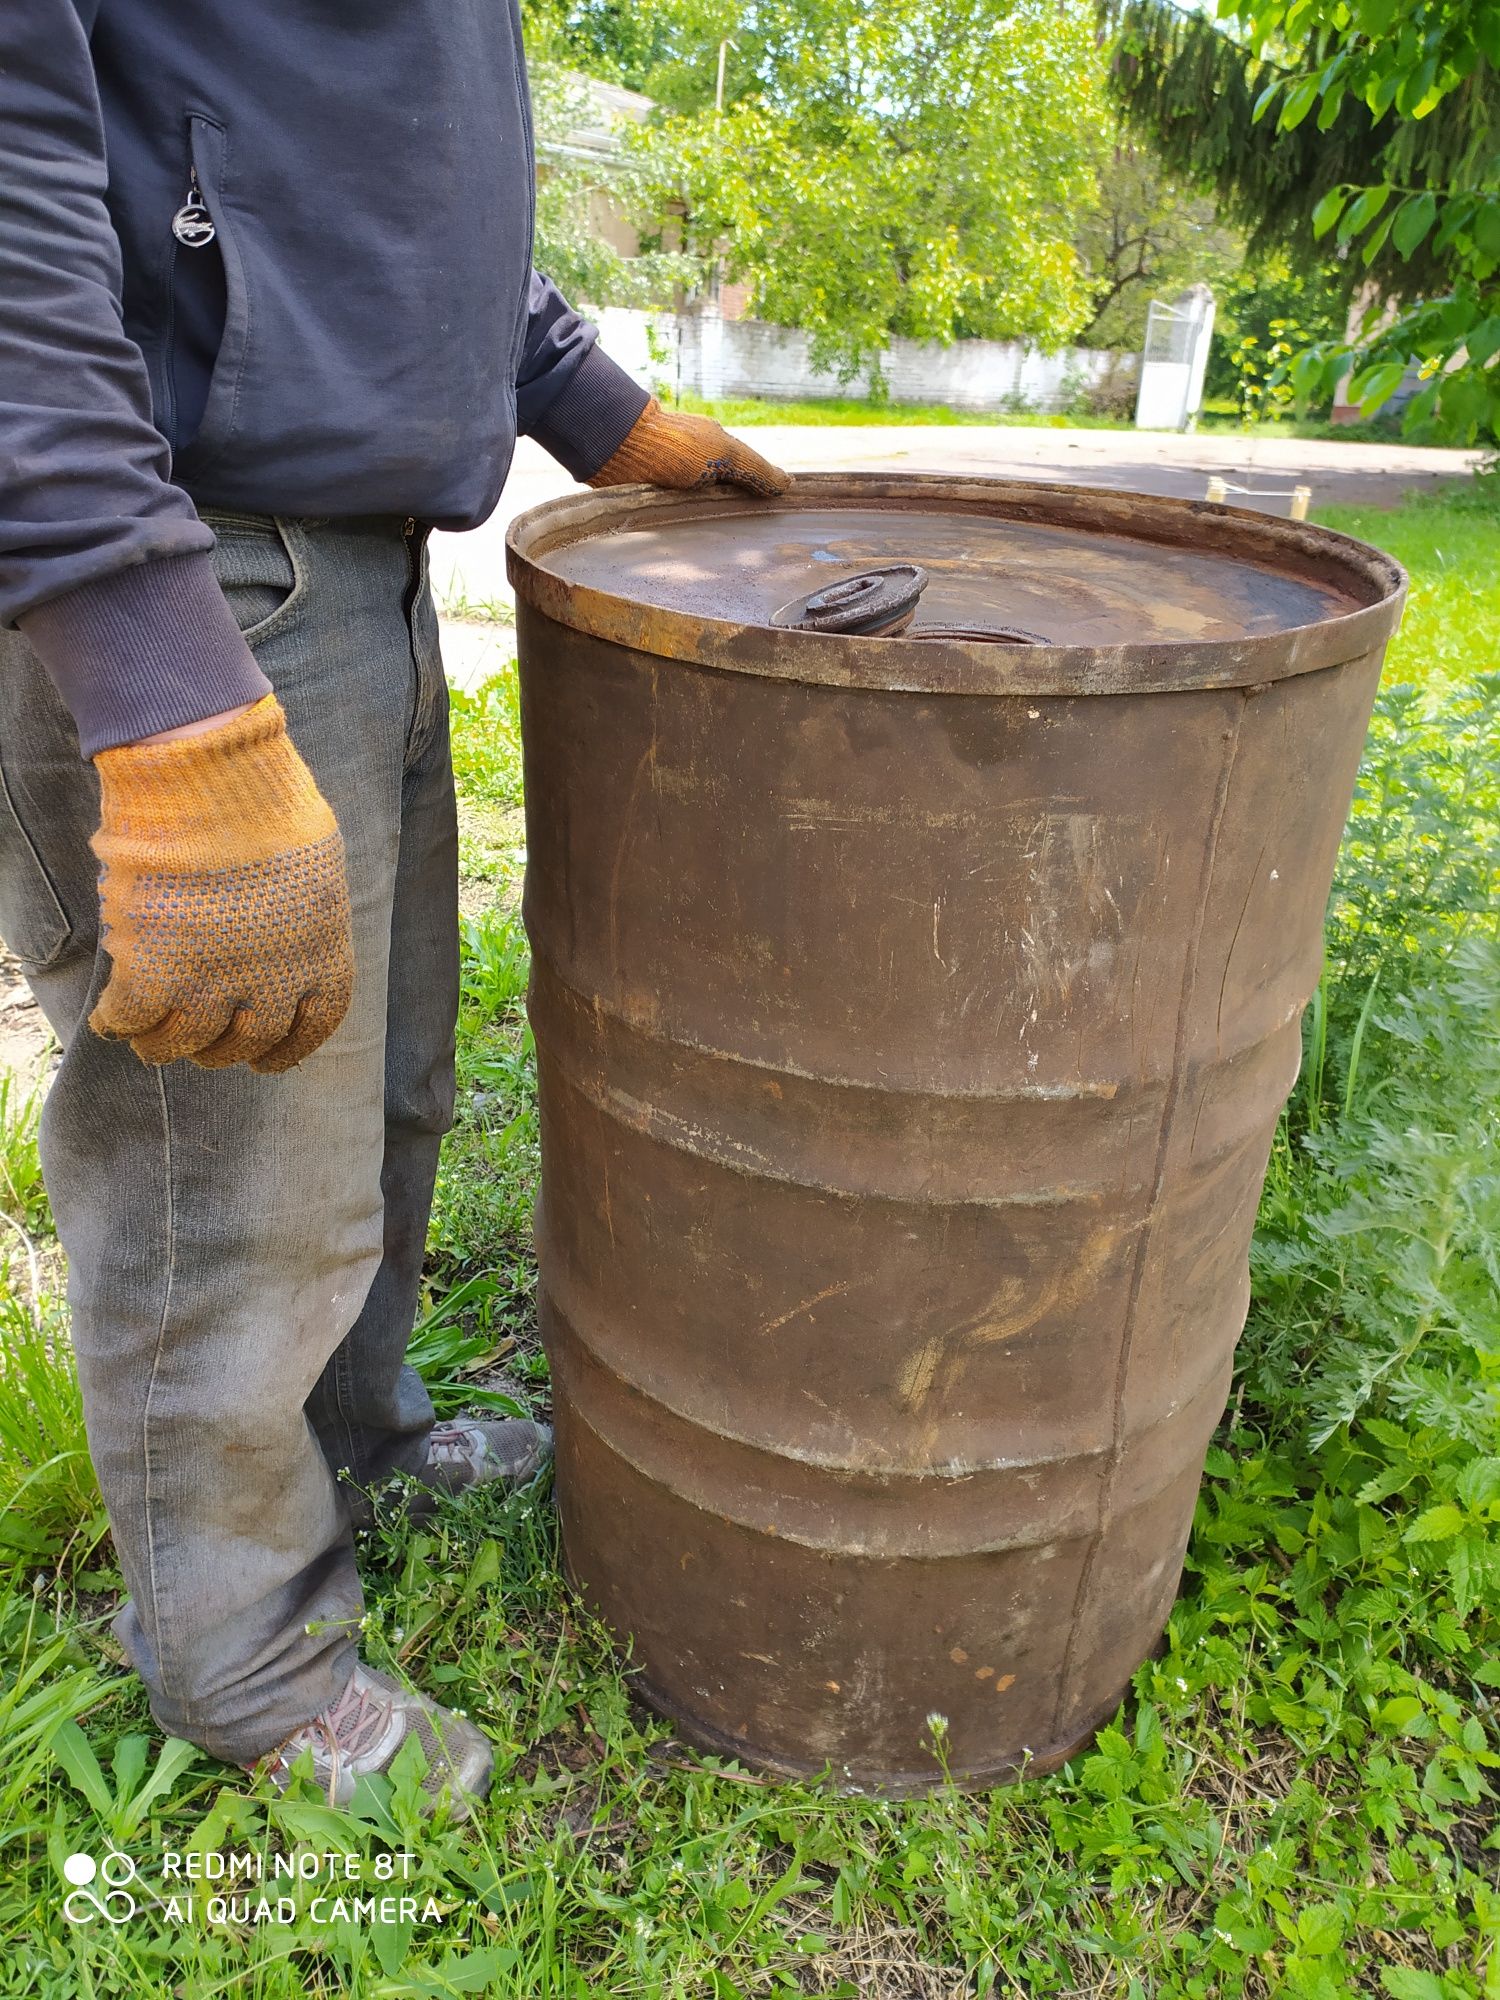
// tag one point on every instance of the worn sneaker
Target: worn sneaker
(463, 1452)
(474, 1451)
(365, 1728)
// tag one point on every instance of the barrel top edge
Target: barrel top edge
(967, 667)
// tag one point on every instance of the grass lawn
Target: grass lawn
(742, 412)
(1297, 1800)
(1451, 551)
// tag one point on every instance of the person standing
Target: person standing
(267, 316)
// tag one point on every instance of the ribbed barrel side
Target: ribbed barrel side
(909, 1065)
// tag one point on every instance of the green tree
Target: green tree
(666, 48)
(1260, 302)
(1368, 123)
(573, 182)
(904, 167)
(1147, 235)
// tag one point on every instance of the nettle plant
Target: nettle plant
(1377, 1264)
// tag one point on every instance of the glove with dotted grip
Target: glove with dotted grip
(669, 448)
(223, 899)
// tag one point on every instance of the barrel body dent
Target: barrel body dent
(908, 1068)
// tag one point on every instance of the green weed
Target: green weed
(487, 1178)
(49, 1498)
(1447, 543)
(456, 603)
(467, 1332)
(1380, 1288)
(486, 726)
(487, 768)
(23, 1199)
(1419, 871)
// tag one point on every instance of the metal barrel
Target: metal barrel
(912, 1018)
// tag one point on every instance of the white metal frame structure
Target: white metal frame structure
(1173, 361)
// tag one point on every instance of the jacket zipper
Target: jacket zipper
(192, 225)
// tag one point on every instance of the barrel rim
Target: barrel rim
(957, 666)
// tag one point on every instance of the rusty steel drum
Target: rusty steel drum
(912, 1018)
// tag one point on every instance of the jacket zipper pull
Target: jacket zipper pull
(192, 225)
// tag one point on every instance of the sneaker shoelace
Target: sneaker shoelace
(446, 1442)
(355, 1724)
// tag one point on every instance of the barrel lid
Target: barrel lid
(1023, 581)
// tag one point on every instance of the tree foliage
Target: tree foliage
(1145, 235)
(572, 185)
(1374, 123)
(666, 48)
(907, 167)
(1260, 301)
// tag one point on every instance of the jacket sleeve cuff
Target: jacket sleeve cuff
(587, 423)
(144, 649)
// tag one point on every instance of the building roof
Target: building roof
(603, 108)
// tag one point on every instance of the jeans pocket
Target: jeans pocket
(33, 922)
(260, 569)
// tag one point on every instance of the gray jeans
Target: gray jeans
(245, 1251)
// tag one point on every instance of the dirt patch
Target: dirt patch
(25, 1039)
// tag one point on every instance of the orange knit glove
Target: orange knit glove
(223, 900)
(666, 448)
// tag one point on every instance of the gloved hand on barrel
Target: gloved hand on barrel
(224, 900)
(670, 448)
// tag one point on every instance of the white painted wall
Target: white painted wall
(716, 357)
(629, 338)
